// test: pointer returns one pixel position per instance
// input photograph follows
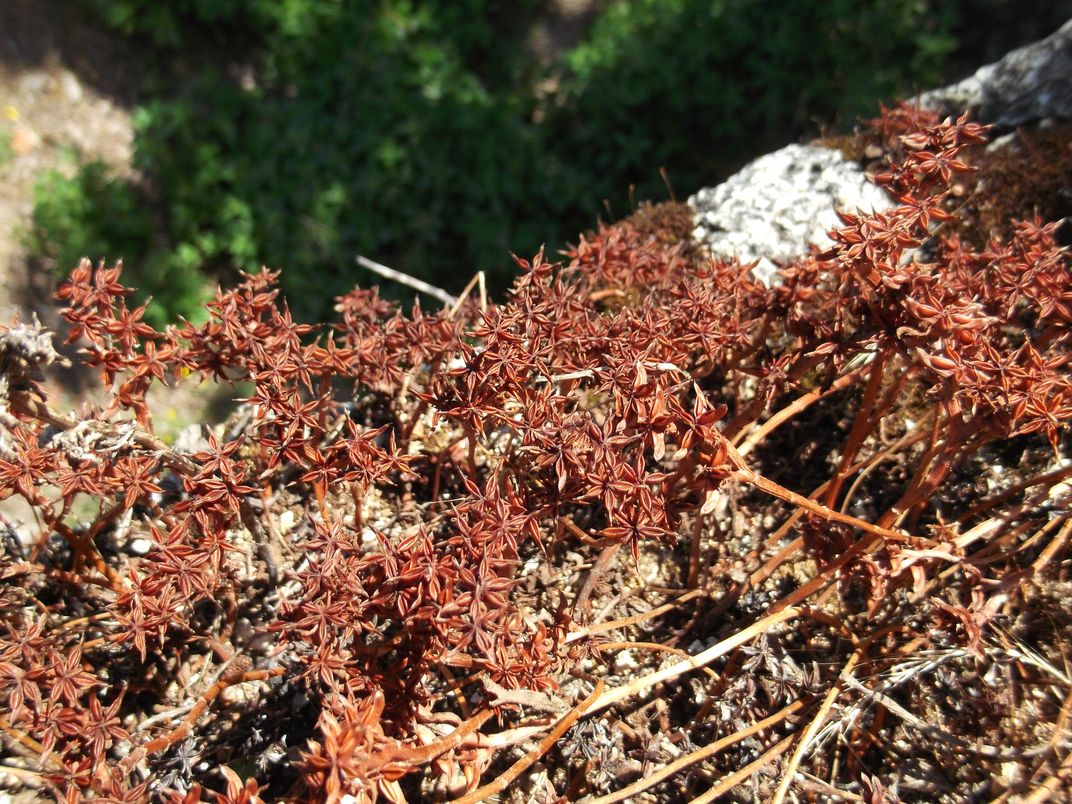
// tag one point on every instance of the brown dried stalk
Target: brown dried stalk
(696, 662)
(739, 776)
(700, 754)
(814, 726)
(514, 771)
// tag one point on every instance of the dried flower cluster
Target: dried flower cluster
(393, 567)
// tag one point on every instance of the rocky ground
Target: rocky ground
(65, 97)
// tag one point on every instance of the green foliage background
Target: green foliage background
(421, 133)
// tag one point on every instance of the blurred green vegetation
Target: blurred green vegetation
(421, 133)
(7, 151)
(94, 213)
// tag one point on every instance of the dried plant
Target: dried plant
(396, 562)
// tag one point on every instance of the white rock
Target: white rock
(624, 661)
(70, 87)
(1011, 772)
(776, 206)
(139, 546)
(34, 82)
(286, 521)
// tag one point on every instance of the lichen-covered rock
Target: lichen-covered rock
(1033, 82)
(776, 206)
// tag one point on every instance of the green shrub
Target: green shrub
(362, 133)
(97, 215)
(701, 86)
(298, 134)
(7, 152)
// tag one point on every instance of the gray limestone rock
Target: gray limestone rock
(1033, 82)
